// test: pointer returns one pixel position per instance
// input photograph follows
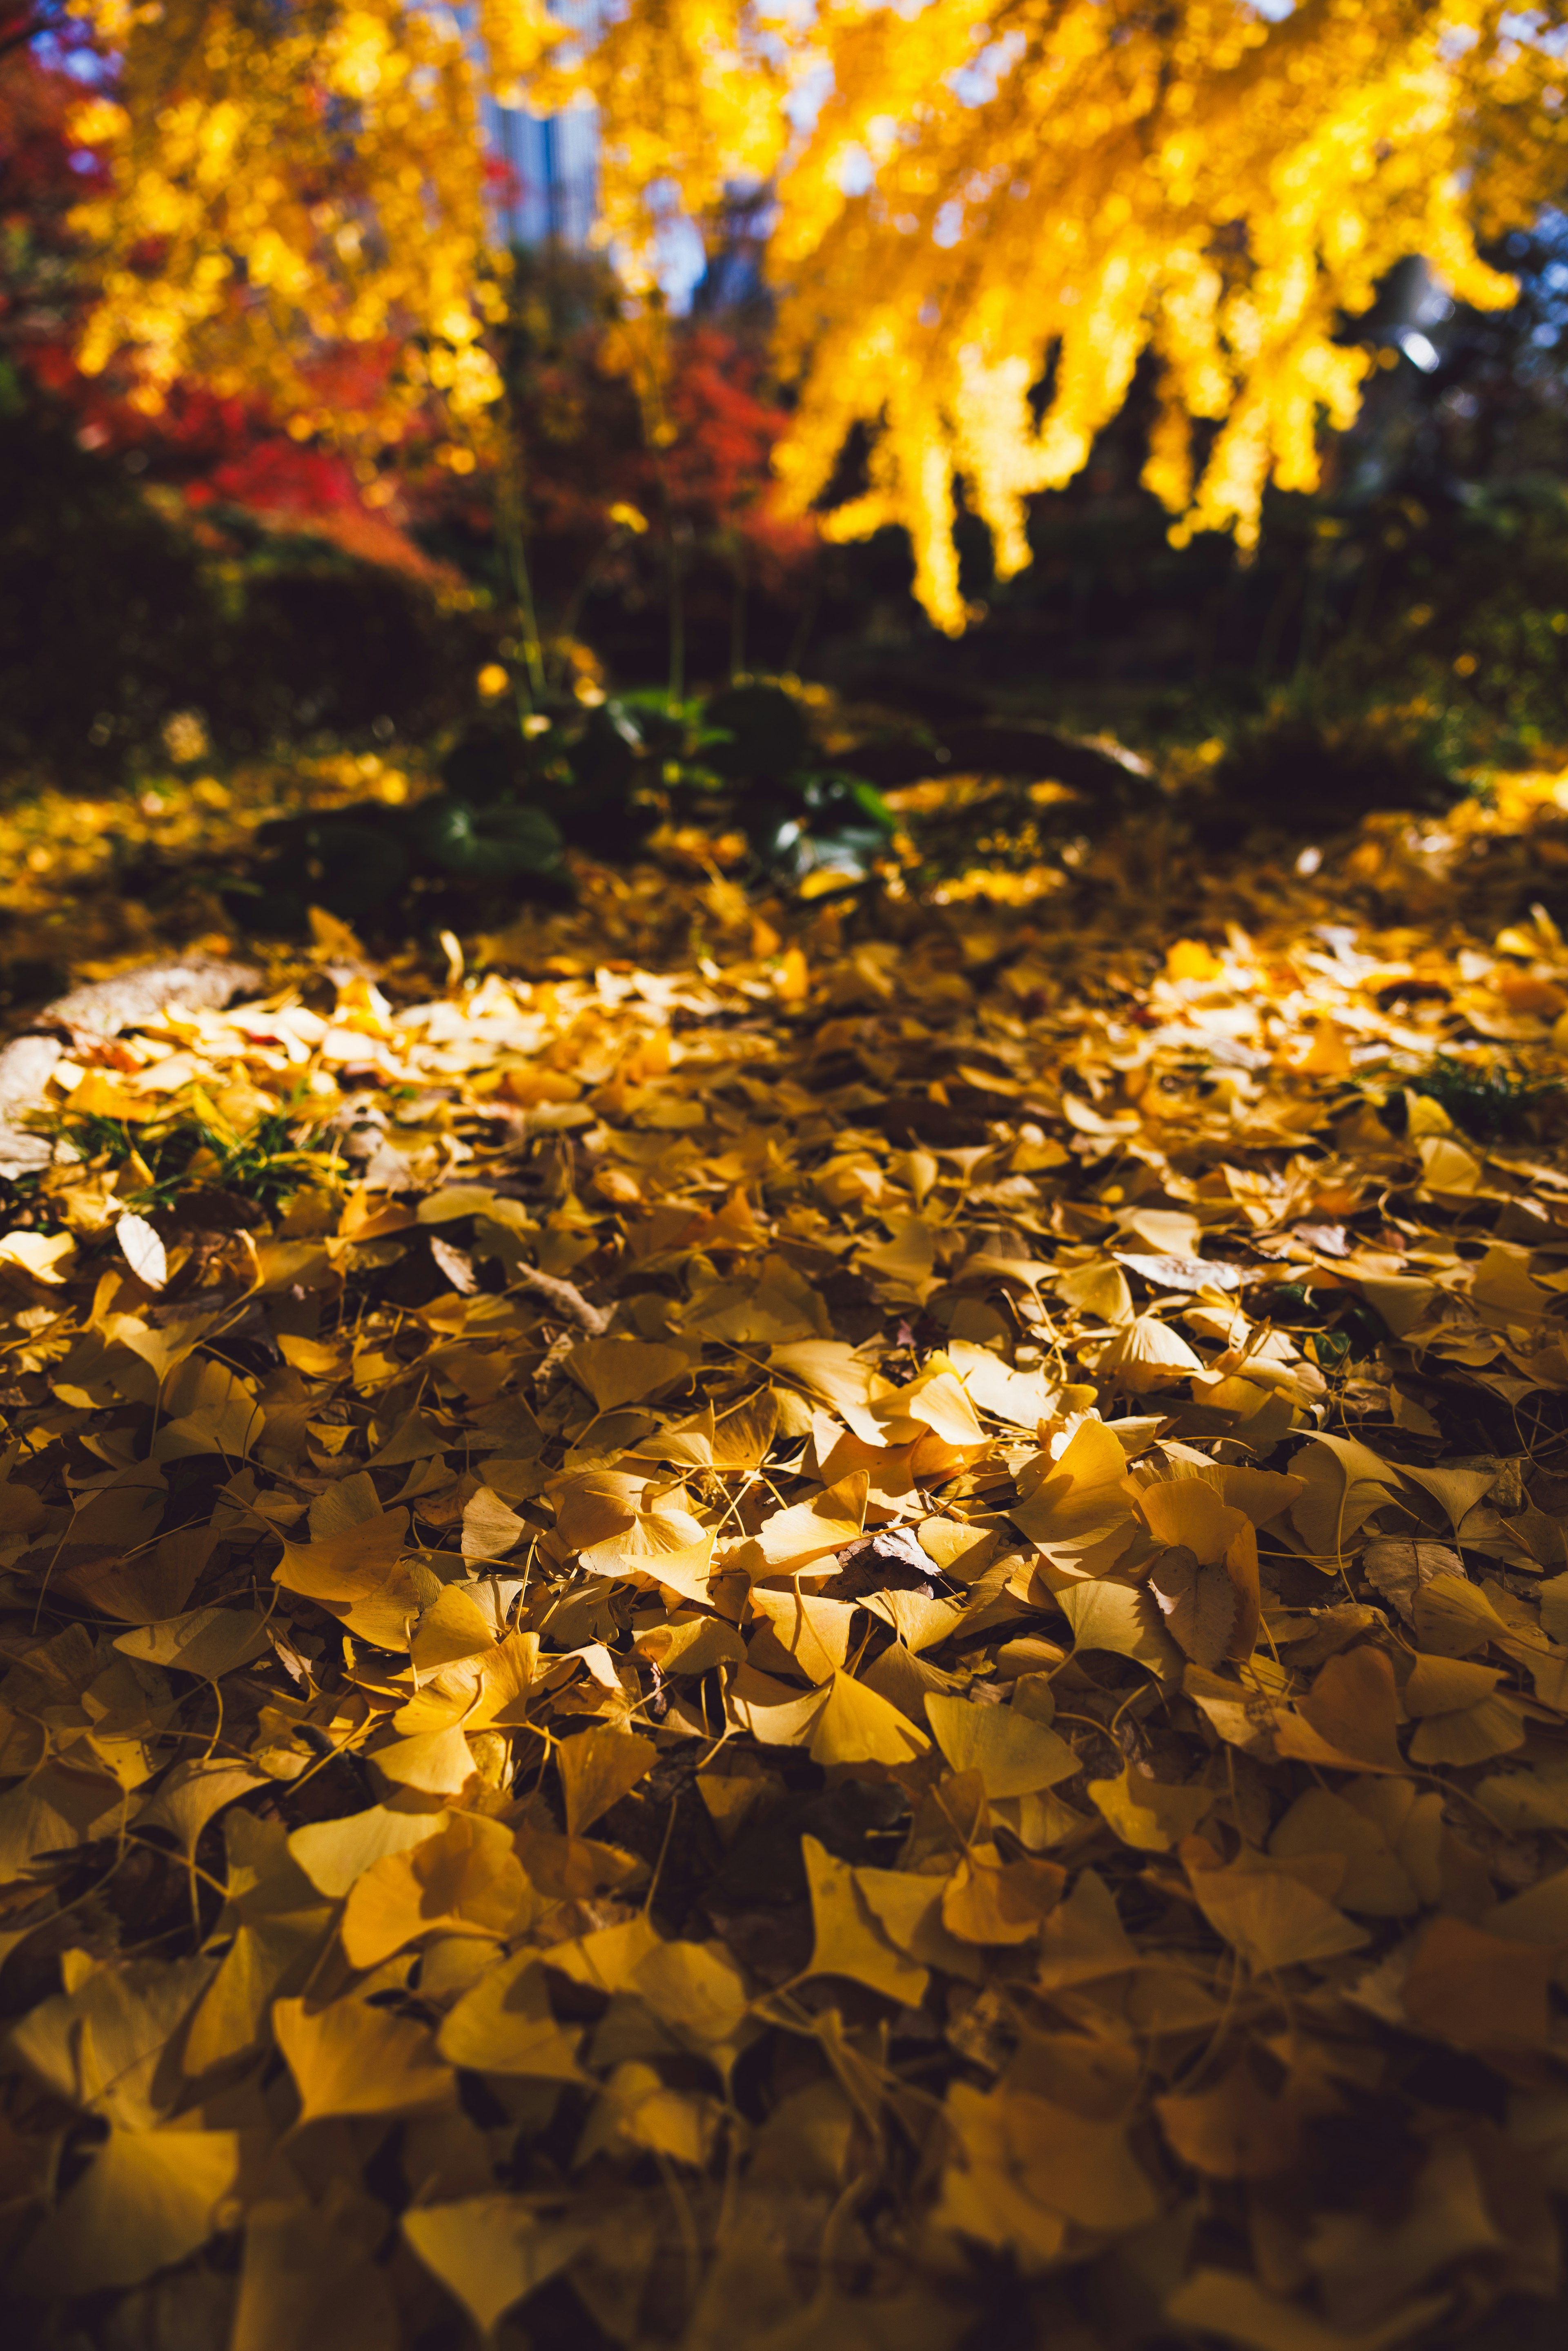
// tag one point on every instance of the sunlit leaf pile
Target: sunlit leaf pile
(855, 1636)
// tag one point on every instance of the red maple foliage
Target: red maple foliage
(585, 450)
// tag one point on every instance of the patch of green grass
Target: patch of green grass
(1490, 1105)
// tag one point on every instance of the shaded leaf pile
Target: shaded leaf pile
(852, 1642)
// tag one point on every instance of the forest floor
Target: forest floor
(839, 1625)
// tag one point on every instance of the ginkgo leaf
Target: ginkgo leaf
(435, 1762)
(657, 1535)
(1273, 1920)
(349, 2059)
(1444, 1685)
(812, 1633)
(695, 1647)
(637, 2109)
(147, 2198)
(309, 2274)
(1148, 1814)
(1452, 1618)
(831, 1369)
(1022, 1398)
(1477, 1990)
(1014, 1755)
(491, 1528)
(1234, 2307)
(1186, 1513)
(269, 1955)
(332, 1853)
(1473, 1734)
(1375, 1882)
(987, 1900)
(624, 1371)
(940, 1400)
(506, 2025)
(1197, 1603)
(850, 1938)
(1349, 1716)
(1146, 1355)
(597, 1769)
(109, 2042)
(357, 1577)
(1232, 2130)
(1029, 2160)
(906, 1259)
(453, 1626)
(1123, 1619)
(856, 1726)
(206, 1641)
(1076, 1510)
(194, 1793)
(1455, 1491)
(466, 1879)
(490, 2251)
(807, 1531)
(695, 1988)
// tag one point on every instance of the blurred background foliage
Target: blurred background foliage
(543, 659)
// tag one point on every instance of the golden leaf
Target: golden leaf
(1014, 1755)
(850, 1938)
(466, 1879)
(349, 2059)
(504, 2026)
(597, 1769)
(490, 2250)
(357, 1577)
(147, 2199)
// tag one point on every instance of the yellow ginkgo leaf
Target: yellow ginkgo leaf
(1234, 2307)
(206, 1641)
(695, 1988)
(349, 2059)
(146, 2201)
(1123, 1619)
(807, 1531)
(987, 1900)
(857, 1726)
(453, 1626)
(309, 2274)
(436, 1763)
(490, 2251)
(1473, 1734)
(1445, 1685)
(624, 1371)
(357, 1576)
(491, 1528)
(1147, 1814)
(850, 1939)
(1013, 1754)
(1075, 1509)
(597, 1769)
(940, 1400)
(1146, 1355)
(903, 1263)
(332, 1853)
(506, 2025)
(1273, 1919)
(1188, 1513)
(811, 1633)
(466, 1879)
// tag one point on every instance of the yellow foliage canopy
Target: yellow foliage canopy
(979, 206)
